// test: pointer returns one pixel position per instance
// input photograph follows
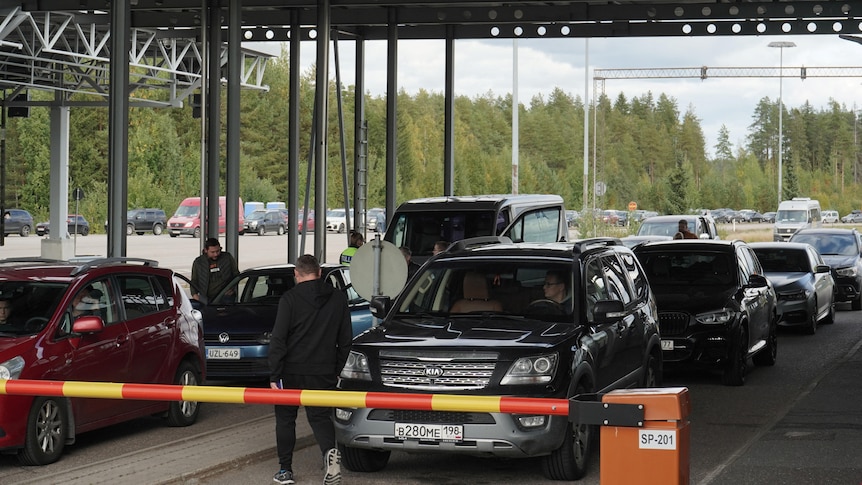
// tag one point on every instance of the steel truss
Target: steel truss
(70, 53)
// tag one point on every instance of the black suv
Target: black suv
(17, 221)
(716, 308)
(144, 220)
(480, 319)
(842, 250)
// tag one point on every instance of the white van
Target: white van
(795, 214)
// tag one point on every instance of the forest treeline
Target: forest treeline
(647, 150)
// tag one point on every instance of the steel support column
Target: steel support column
(449, 115)
(360, 141)
(118, 130)
(391, 114)
(321, 142)
(213, 124)
(234, 72)
(58, 245)
(293, 142)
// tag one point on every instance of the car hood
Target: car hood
(838, 261)
(468, 331)
(692, 299)
(14, 346)
(783, 280)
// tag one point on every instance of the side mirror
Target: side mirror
(380, 306)
(608, 311)
(757, 281)
(822, 268)
(88, 324)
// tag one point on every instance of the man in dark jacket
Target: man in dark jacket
(309, 346)
(212, 271)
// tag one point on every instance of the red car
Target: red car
(104, 320)
(300, 223)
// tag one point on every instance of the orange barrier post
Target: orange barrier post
(656, 452)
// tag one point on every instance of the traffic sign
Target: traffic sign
(633, 206)
(601, 188)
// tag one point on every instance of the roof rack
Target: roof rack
(584, 244)
(97, 262)
(29, 259)
(478, 241)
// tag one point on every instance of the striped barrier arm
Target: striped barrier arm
(287, 397)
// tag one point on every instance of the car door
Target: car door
(151, 323)
(629, 328)
(104, 356)
(824, 285)
(604, 336)
(759, 300)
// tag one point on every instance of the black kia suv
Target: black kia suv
(492, 317)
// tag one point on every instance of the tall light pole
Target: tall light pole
(781, 45)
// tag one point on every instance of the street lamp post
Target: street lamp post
(780, 45)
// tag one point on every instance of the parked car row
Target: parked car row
(75, 224)
(17, 221)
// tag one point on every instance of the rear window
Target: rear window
(690, 268)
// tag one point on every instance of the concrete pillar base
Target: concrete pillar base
(63, 249)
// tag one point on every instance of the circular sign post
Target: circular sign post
(633, 206)
(378, 268)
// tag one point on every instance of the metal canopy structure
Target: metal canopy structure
(75, 46)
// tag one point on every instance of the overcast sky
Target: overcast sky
(486, 65)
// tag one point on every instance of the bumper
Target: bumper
(846, 288)
(795, 312)
(495, 434)
(708, 347)
(252, 363)
(178, 231)
(13, 419)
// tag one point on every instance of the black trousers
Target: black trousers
(320, 419)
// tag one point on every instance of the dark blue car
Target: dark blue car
(238, 322)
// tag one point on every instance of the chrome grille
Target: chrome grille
(672, 323)
(436, 371)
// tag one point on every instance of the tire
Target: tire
(261, 231)
(768, 355)
(830, 317)
(197, 233)
(737, 360)
(174, 235)
(185, 413)
(362, 460)
(340, 228)
(157, 229)
(25, 231)
(140, 233)
(47, 429)
(85, 231)
(857, 303)
(569, 461)
(652, 373)
(129, 229)
(280, 230)
(811, 327)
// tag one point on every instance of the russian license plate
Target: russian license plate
(222, 353)
(667, 344)
(431, 432)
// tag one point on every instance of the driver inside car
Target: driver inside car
(556, 289)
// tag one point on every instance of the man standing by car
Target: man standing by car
(310, 342)
(212, 271)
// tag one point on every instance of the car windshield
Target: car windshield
(420, 230)
(668, 228)
(688, 268)
(256, 215)
(256, 288)
(792, 216)
(31, 306)
(783, 260)
(528, 288)
(187, 211)
(829, 244)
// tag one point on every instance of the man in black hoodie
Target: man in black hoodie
(309, 346)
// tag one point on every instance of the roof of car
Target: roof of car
(478, 202)
(681, 244)
(64, 271)
(778, 245)
(528, 249)
(825, 230)
(674, 218)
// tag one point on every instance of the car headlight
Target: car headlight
(11, 369)
(716, 318)
(794, 296)
(264, 338)
(849, 271)
(531, 370)
(356, 367)
(188, 224)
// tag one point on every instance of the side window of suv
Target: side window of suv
(639, 281)
(618, 287)
(595, 288)
(536, 226)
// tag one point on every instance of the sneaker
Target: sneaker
(333, 467)
(285, 477)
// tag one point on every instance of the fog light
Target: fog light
(531, 421)
(343, 414)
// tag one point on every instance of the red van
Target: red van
(187, 218)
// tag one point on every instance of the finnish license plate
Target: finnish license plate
(222, 353)
(667, 344)
(431, 432)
